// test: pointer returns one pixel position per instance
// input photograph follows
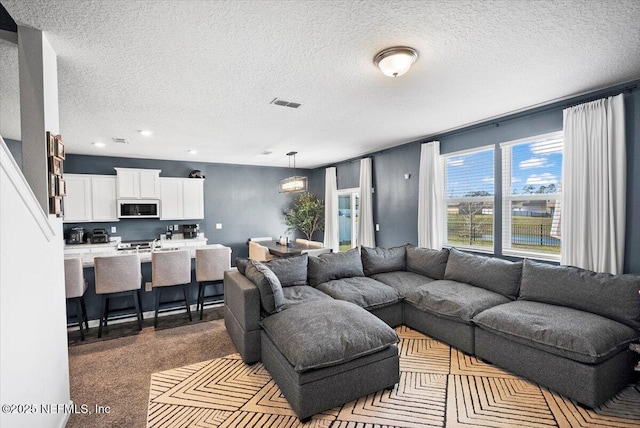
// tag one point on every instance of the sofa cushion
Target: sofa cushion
(309, 339)
(567, 332)
(613, 296)
(297, 294)
(454, 300)
(327, 267)
(271, 296)
(379, 260)
(403, 281)
(501, 276)
(290, 270)
(364, 292)
(427, 262)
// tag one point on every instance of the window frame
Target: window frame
(508, 198)
(490, 198)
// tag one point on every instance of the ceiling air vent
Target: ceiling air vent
(120, 140)
(284, 103)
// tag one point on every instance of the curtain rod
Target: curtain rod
(569, 101)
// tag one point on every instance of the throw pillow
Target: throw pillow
(241, 264)
(271, 295)
(500, 276)
(381, 260)
(290, 270)
(427, 262)
(334, 266)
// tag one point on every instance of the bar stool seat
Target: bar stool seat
(118, 276)
(211, 262)
(75, 286)
(168, 269)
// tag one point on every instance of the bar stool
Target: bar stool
(118, 276)
(211, 262)
(259, 252)
(74, 286)
(171, 268)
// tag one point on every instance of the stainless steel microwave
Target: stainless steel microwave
(138, 208)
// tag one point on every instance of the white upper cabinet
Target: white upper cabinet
(181, 198)
(90, 198)
(138, 183)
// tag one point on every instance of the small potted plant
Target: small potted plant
(306, 215)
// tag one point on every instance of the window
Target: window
(348, 216)
(469, 192)
(531, 173)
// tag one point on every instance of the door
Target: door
(348, 217)
(149, 184)
(128, 184)
(193, 198)
(171, 199)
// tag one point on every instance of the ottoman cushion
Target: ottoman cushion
(309, 339)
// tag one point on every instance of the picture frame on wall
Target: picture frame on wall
(52, 185)
(55, 166)
(55, 206)
(59, 147)
(51, 144)
(61, 187)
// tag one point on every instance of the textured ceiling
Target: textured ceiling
(201, 74)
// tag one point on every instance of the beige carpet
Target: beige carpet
(116, 371)
(439, 386)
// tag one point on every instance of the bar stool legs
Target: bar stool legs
(201, 289)
(81, 315)
(157, 308)
(104, 312)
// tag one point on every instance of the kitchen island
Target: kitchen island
(89, 251)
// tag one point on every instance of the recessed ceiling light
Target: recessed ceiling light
(266, 153)
(192, 152)
(98, 144)
(145, 133)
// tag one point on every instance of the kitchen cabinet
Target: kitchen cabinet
(90, 198)
(181, 198)
(138, 183)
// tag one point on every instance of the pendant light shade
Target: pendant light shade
(294, 183)
(396, 61)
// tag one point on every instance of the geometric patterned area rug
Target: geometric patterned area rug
(439, 387)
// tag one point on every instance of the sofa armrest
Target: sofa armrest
(242, 298)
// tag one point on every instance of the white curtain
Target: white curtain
(594, 186)
(431, 210)
(331, 210)
(366, 235)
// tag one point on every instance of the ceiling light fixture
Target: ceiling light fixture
(98, 144)
(145, 133)
(294, 183)
(396, 61)
(192, 152)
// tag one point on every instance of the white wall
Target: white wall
(33, 337)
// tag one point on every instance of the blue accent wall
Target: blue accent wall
(396, 199)
(244, 199)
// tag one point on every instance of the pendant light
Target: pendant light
(293, 184)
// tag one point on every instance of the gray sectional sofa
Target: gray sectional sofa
(565, 328)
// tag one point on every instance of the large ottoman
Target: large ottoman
(326, 353)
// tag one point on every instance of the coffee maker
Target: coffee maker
(190, 231)
(75, 235)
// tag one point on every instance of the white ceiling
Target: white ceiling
(201, 74)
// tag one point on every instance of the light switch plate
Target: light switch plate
(377, 227)
(218, 225)
(113, 229)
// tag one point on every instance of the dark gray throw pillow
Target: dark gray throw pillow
(271, 296)
(490, 273)
(241, 264)
(334, 266)
(381, 260)
(290, 270)
(427, 262)
(612, 296)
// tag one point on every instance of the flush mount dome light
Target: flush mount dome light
(396, 61)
